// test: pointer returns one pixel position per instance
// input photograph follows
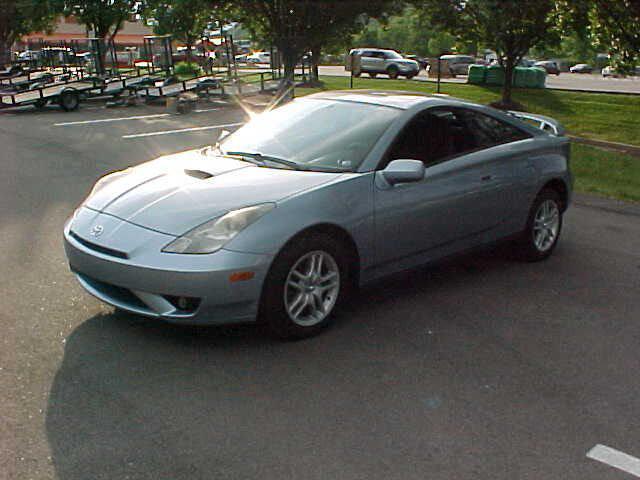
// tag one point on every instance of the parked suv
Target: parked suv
(459, 64)
(550, 66)
(374, 61)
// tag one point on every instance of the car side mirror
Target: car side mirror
(404, 171)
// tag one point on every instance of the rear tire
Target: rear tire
(373, 74)
(392, 71)
(40, 104)
(544, 225)
(69, 100)
(295, 306)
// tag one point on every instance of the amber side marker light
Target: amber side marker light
(241, 276)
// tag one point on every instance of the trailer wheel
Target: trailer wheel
(69, 100)
(41, 103)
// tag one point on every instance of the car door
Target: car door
(505, 152)
(367, 61)
(378, 62)
(454, 207)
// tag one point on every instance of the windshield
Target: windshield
(314, 133)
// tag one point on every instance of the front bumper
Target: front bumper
(127, 269)
(406, 68)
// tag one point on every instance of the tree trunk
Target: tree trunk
(5, 52)
(316, 53)
(508, 82)
(289, 60)
(189, 45)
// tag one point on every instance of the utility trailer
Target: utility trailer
(68, 96)
(204, 83)
(102, 78)
(260, 81)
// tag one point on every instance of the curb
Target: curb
(632, 150)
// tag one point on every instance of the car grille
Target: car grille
(98, 248)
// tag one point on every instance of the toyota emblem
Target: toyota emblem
(97, 230)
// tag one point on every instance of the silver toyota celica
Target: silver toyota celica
(281, 219)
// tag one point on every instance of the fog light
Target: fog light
(183, 303)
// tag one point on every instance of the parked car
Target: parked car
(459, 64)
(550, 66)
(374, 61)
(423, 63)
(278, 222)
(609, 71)
(581, 68)
(259, 57)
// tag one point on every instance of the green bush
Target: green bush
(187, 69)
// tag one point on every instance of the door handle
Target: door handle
(486, 178)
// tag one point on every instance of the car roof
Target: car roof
(388, 98)
(373, 49)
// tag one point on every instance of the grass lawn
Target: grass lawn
(600, 116)
(605, 173)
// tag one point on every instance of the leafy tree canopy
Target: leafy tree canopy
(21, 17)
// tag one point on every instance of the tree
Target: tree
(405, 31)
(613, 24)
(103, 17)
(295, 27)
(185, 20)
(21, 17)
(510, 27)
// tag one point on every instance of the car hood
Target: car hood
(175, 193)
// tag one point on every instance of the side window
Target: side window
(432, 137)
(490, 131)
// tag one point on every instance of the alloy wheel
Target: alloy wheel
(312, 288)
(546, 225)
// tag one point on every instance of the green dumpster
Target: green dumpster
(495, 75)
(477, 74)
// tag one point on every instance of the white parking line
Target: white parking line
(202, 110)
(615, 458)
(105, 120)
(182, 130)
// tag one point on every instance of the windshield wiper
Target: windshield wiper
(266, 158)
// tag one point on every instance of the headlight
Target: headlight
(107, 179)
(214, 234)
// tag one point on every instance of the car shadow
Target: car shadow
(136, 398)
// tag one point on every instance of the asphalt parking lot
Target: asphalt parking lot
(565, 81)
(477, 368)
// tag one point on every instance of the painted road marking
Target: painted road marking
(182, 130)
(122, 119)
(105, 120)
(615, 458)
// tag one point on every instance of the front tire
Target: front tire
(304, 286)
(373, 74)
(392, 71)
(543, 227)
